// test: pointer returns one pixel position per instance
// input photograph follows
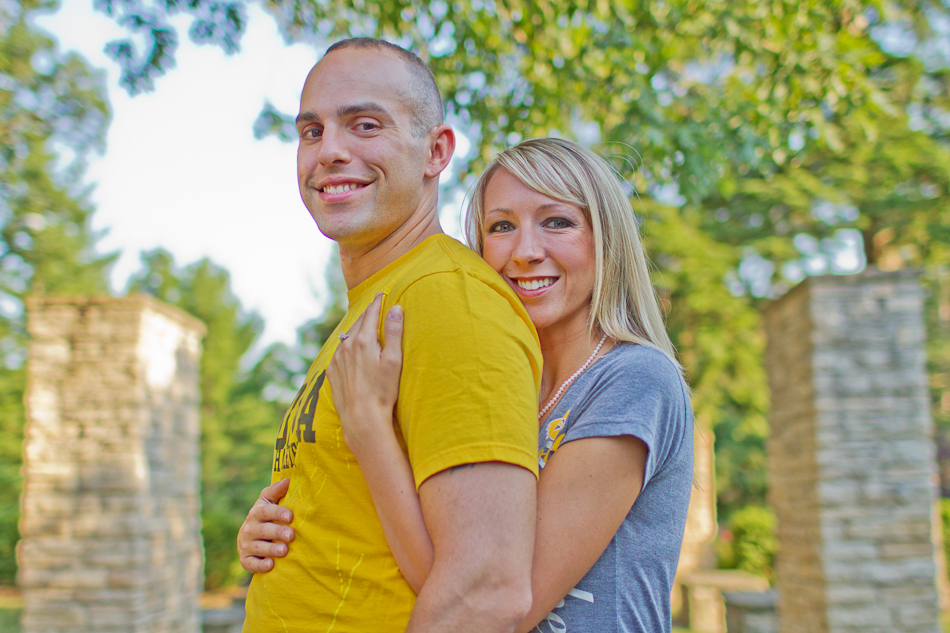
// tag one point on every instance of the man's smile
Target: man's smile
(341, 188)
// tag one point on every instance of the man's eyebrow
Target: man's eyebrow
(359, 108)
(306, 117)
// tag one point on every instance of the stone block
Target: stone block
(851, 594)
(919, 616)
(866, 615)
(87, 578)
(918, 590)
(924, 551)
(883, 527)
(55, 617)
(847, 551)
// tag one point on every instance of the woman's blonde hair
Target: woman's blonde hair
(624, 304)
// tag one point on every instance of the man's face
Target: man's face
(360, 167)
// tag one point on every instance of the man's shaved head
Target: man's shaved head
(422, 93)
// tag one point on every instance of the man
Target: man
(372, 146)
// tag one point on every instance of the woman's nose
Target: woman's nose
(528, 247)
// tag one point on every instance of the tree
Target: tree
(776, 133)
(53, 112)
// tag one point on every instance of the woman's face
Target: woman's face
(543, 248)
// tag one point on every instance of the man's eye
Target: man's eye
(312, 133)
(367, 126)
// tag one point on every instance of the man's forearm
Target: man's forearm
(448, 605)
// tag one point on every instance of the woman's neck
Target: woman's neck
(565, 350)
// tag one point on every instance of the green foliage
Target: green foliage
(937, 322)
(47, 245)
(11, 440)
(213, 21)
(740, 461)
(49, 102)
(10, 619)
(754, 542)
(945, 522)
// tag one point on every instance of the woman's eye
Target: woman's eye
(498, 227)
(559, 223)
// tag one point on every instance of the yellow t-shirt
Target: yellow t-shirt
(468, 393)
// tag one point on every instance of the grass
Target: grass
(11, 606)
(10, 619)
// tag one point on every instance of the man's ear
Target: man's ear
(441, 148)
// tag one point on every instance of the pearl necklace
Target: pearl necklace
(573, 377)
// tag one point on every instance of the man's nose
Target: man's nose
(333, 148)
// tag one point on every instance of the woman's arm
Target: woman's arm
(364, 379)
(584, 493)
(586, 489)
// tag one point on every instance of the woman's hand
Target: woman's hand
(364, 377)
(365, 381)
(261, 539)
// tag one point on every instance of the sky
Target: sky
(183, 171)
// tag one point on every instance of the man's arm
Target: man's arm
(481, 518)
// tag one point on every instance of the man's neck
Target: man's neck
(360, 262)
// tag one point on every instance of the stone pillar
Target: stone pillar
(110, 512)
(852, 471)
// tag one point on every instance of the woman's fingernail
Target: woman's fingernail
(395, 313)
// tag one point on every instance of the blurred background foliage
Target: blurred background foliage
(748, 542)
(53, 111)
(765, 140)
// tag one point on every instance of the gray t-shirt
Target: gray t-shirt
(631, 390)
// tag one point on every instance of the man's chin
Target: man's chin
(346, 234)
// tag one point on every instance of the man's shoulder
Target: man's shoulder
(444, 253)
(442, 264)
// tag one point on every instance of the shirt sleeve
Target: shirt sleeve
(640, 395)
(471, 368)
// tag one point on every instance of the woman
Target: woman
(615, 425)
